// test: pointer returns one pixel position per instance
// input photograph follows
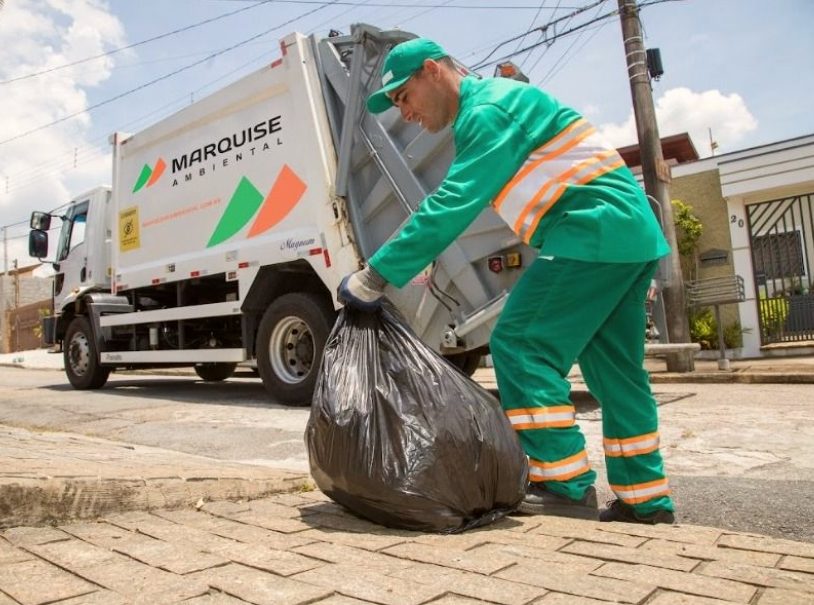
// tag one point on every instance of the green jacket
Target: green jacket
(501, 127)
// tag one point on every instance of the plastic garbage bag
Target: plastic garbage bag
(400, 437)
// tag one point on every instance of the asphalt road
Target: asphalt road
(739, 456)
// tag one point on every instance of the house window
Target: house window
(779, 255)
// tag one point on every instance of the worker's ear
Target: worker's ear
(432, 68)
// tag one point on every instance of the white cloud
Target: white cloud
(38, 171)
(683, 110)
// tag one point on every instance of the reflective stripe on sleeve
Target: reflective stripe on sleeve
(559, 416)
(631, 446)
(561, 470)
(641, 492)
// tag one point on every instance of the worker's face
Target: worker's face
(421, 99)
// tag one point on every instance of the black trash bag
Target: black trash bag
(400, 437)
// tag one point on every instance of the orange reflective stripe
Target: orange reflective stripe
(534, 201)
(560, 470)
(558, 416)
(631, 446)
(526, 235)
(642, 492)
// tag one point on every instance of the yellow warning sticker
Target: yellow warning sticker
(128, 229)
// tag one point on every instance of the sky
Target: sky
(738, 69)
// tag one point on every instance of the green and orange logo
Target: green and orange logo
(247, 201)
(149, 176)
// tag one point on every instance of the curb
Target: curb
(731, 378)
(51, 501)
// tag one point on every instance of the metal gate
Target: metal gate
(781, 234)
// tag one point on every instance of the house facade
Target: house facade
(757, 208)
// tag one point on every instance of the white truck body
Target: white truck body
(230, 224)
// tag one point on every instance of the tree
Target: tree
(689, 229)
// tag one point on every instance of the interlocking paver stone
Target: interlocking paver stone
(281, 562)
(675, 598)
(217, 598)
(586, 532)
(580, 585)
(23, 536)
(798, 564)
(712, 553)
(341, 553)
(762, 544)
(470, 560)
(779, 596)
(524, 552)
(675, 533)
(690, 583)
(261, 588)
(375, 542)
(762, 576)
(341, 600)
(470, 584)
(100, 597)
(76, 554)
(133, 579)
(36, 582)
(234, 530)
(369, 585)
(178, 559)
(476, 538)
(10, 554)
(558, 598)
(629, 555)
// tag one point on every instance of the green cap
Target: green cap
(401, 63)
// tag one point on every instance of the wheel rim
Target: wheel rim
(79, 354)
(291, 349)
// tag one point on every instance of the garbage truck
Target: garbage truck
(228, 226)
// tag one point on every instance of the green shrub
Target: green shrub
(704, 330)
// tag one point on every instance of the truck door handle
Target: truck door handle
(83, 273)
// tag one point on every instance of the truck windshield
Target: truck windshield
(73, 229)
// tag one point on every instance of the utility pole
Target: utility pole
(656, 175)
(3, 321)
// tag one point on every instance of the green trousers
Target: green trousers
(559, 312)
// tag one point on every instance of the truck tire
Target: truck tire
(81, 357)
(465, 362)
(215, 372)
(290, 341)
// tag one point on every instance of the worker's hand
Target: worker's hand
(362, 290)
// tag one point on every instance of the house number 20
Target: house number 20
(736, 220)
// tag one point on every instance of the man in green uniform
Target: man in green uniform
(547, 172)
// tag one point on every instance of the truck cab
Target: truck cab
(81, 259)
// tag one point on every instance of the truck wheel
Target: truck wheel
(465, 362)
(290, 341)
(81, 358)
(215, 372)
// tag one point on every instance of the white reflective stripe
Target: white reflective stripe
(561, 470)
(526, 199)
(633, 446)
(576, 131)
(641, 492)
(530, 418)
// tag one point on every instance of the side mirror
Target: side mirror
(38, 243)
(41, 221)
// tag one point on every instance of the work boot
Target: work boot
(625, 513)
(540, 501)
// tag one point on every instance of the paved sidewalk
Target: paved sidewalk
(300, 548)
(90, 521)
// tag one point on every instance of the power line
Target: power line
(542, 28)
(415, 5)
(121, 48)
(160, 78)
